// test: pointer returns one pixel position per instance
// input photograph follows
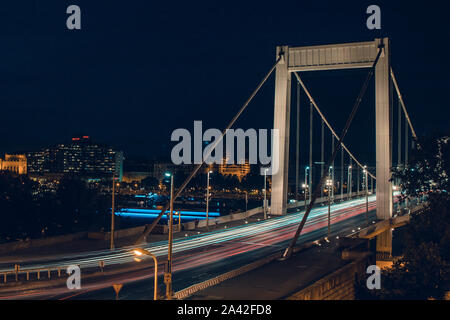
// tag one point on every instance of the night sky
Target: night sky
(137, 70)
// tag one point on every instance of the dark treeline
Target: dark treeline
(423, 270)
(26, 212)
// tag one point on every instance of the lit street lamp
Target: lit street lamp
(207, 200)
(168, 274)
(112, 212)
(265, 195)
(331, 175)
(367, 194)
(306, 183)
(349, 182)
(329, 185)
(140, 252)
(305, 186)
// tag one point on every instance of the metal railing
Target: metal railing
(38, 272)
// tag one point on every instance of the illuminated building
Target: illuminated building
(80, 156)
(239, 170)
(14, 163)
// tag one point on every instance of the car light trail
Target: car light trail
(215, 246)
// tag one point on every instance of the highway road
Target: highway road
(196, 258)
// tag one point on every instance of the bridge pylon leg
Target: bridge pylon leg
(282, 110)
(383, 149)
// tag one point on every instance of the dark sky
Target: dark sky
(139, 69)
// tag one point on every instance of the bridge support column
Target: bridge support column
(282, 110)
(383, 148)
(384, 246)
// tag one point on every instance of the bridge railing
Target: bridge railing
(301, 203)
(37, 272)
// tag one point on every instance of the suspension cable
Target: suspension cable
(403, 105)
(288, 252)
(208, 153)
(311, 99)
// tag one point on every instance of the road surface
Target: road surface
(196, 258)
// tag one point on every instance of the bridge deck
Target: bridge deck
(279, 279)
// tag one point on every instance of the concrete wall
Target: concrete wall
(220, 220)
(36, 243)
(338, 285)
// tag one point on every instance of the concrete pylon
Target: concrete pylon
(281, 122)
(383, 148)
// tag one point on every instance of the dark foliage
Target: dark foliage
(423, 270)
(29, 214)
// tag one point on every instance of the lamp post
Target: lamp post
(207, 200)
(305, 186)
(331, 175)
(329, 185)
(265, 195)
(349, 182)
(306, 183)
(139, 252)
(168, 274)
(111, 244)
(367, 194)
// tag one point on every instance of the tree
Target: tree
(78, 208)
(26, 212)
(424, 270)
(17, 207)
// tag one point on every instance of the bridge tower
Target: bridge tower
(334, 57)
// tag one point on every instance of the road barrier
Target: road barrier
(17, 271)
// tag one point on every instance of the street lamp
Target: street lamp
(265, 194)
(349, 182)
(139, 252)
(329, 184)
(331, 175)
(111, 245)
(305, 186)
(306, 183)
(367, 194)
(168, 274)
(207, 200)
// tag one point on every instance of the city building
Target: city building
(80, 156)
(14, 163)
(238, 170)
